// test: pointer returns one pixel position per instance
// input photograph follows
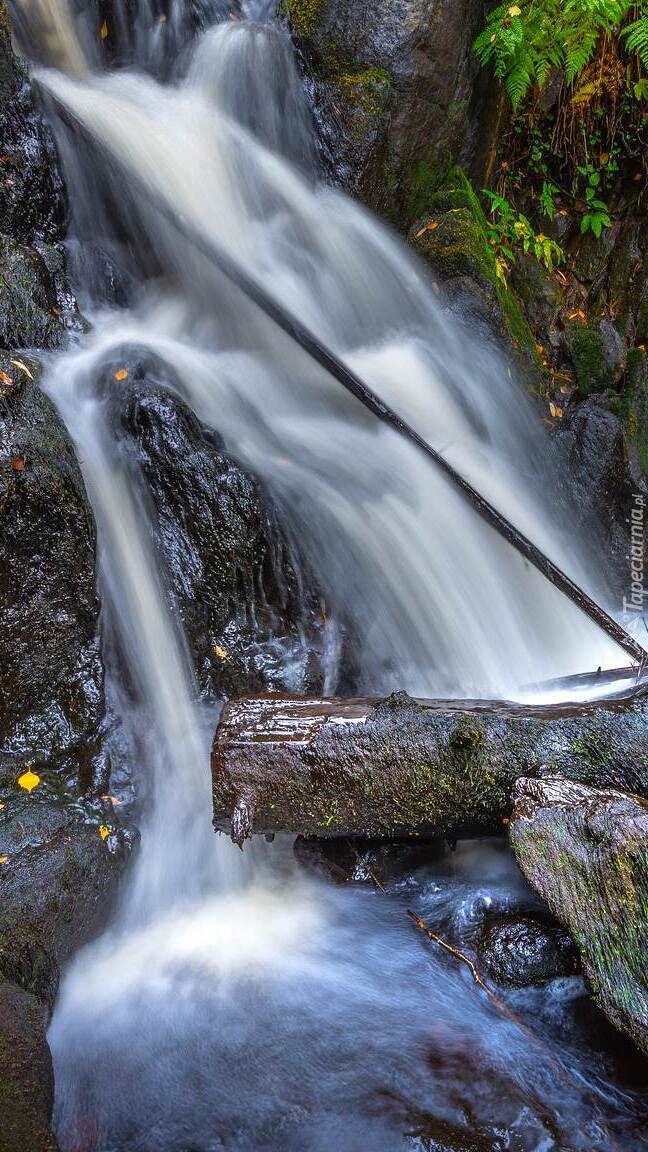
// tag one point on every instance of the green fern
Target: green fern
(524, 42)
(636, 38)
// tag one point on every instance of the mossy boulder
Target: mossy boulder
(453, 240)
(397, 92)
(585, 851)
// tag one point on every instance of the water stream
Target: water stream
(234, 1002)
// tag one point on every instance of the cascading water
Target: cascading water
(232, 1004)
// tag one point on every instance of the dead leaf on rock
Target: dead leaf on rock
(18, 463)
(29, 780)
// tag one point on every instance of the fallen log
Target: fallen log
(400, 768)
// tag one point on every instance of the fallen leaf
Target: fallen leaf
(18, 463)
(641, 347)
(112, 800)
(29, 780)
(121, 374)
(577, 315)
(5, 379)
(427, 228)
(103, 831)
(3, 859)
(222, 653)
(2, 807)
(514, 10)
(556, 412)
(104, 30)
(23, 368)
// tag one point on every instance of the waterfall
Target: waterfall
(167, 1030)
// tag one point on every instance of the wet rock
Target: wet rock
(26, 1076)
(452, 239)
(29, 312)
(397, 94)
(32, 202)
(347, 860)
(62, 862)
(51, 677)
(585, 851)
(602, 480)
(521, 950)
(229, 564)
(401, 769)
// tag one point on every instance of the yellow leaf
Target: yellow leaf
(493, 38)
(29, 780)
(514, 10)
(104, 30)
(4, 379)
(3, 859)
(23, 368)
(103, 831)
(121, 374)
(222, 653)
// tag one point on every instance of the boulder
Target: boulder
(32, 201)
(602, 481)
(400, 768)
(585, 851)
(397, 94)
(230, 571)
(26, 1076)
(518, 950)
(51, 676)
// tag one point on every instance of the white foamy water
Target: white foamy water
(232, 1004)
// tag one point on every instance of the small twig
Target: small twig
(499, 1004)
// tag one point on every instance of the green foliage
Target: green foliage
(509, 230)
(525, 42)
(636, 37)
(547, 199)
(597, 214)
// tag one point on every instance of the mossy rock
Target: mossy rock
(585, 851)
(452, 238)
(597, 354)
(303, 15)
(635, 403)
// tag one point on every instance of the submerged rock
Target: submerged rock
(26, 1076)
(585, 851)
(518, 950)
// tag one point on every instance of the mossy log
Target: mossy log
(398, 767)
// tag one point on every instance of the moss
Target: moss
(453, 238)
(304, 15)
(587, 353)
(635, 402)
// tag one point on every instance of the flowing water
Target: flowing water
(235, 1003)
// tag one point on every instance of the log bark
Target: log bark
(400, 768)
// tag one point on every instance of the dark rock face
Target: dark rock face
(522, 950)
(348, 860)
(229, 565)
(602, 480)
(32, 205)
(29, 310)
(397, 94)
(51, 678)
(26, 1077)
(585, 851)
